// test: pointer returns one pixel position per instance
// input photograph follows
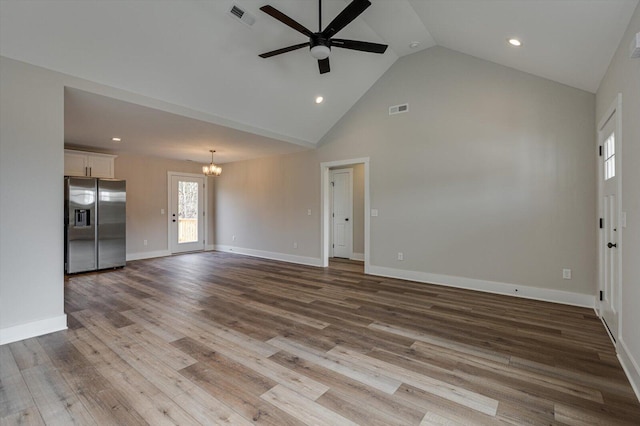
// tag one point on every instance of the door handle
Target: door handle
(610, 245)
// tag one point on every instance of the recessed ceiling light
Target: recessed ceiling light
(414, 44)
(116, 139)
(319, 99)
(515, 42)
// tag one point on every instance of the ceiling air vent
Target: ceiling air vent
(398, 109)
(239, 13)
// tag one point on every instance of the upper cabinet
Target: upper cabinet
(81, 163)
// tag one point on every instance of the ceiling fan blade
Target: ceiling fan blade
(323, 65)
(275, 13)
(351, 12)
(284, 50)
(363, 46)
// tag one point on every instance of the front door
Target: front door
(186, 210)
(341, 213)
(609, 241)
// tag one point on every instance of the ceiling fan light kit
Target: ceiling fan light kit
(320, 43)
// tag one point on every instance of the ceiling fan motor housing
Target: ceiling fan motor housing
(320, 46)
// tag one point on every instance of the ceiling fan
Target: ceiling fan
(320, 43)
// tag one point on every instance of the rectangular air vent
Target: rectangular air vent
(398, 109)
(238, 13)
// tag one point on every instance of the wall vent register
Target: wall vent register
(244, 17)
(398, 109)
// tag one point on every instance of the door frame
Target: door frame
(615, 108)
(332, 208)
(205, 206)
(325, 192)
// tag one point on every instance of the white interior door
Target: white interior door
(342, 212)
(186, 213)
(609, 238)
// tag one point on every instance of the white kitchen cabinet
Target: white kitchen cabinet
(81, 163)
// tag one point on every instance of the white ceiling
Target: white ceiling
(193, 54)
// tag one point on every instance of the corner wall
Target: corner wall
(31, 202)
(487, 182)
(489, 175)
(623, 76)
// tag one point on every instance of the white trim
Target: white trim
(526, 292)
(32, 329)
(205, 207)
(284, 257)
(147, 255)
(357, 256)
(325, 214)
(630, 367)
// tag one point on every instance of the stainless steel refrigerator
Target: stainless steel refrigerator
(95, 224)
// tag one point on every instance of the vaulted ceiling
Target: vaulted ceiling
(195, 54)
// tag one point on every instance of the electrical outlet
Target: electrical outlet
(308, 212)
(145, 242)
(566, 274)
(233, 238)
(295, 245)
(161, 211)
(400, 255)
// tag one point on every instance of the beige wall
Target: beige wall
(488, 176)
(147, 194)
(623, 77)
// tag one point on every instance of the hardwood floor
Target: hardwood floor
(215, 338)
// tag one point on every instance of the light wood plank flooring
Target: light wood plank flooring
(216, 338)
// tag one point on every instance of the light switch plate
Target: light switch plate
(374, 212)
(566, 274)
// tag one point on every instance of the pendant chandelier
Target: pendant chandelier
(212, 169)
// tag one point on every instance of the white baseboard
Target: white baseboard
(302, 260)
(630, 366)
(544, 294)
(32, 329)
(148, 255)
(357, 256)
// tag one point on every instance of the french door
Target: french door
(186, 213)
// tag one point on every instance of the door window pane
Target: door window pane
(187, 212)
(610, 157)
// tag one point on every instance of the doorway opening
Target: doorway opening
(344, 228)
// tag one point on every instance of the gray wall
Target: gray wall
(264, 203)
(623, 77)
(146, 194)
(31, 194)
(489, 176)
